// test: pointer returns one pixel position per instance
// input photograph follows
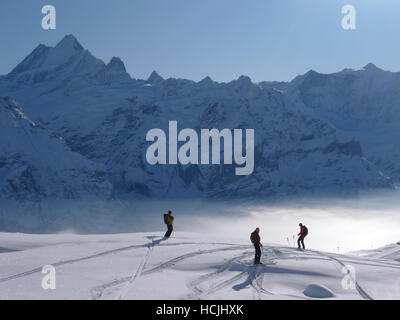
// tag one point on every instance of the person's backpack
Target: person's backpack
(305, 231)
(252, 237)
(166, 218)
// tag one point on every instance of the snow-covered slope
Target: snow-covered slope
(36, 164)
(186, 266)
(365, 103)
(67, 64)
(104, 115)
(389, 252)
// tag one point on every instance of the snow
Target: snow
(186, 266)
(80, 134)
(389, 252)
(363, 103)
(35, 163)
(318, 291)
(103, 115)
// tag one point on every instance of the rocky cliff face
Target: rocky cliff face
(365, 103)
(36, 164)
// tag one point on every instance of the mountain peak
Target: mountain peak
(347, 70)
(206, 80)
(116, 64)
(113, 72)
(312, 73)
(371, 67)
(34, 60)
(69, 42)
(44, 63)
(155, 77)
(244, 79)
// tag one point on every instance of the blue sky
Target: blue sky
(264, 39)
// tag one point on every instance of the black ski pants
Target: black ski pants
(301, 241)
(169, 231)
(257, 256)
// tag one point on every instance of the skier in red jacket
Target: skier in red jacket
(303, 233)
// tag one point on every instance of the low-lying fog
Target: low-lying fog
(364, 222)
(331, 228)
(334, 225)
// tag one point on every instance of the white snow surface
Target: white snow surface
(186, 266)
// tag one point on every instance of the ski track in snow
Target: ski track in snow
(97, 292)
(257, 278)
(237, 272)
(173, 261)
(60, 263)
(254, 278)
(198, 293)
(138, 272)
(93, 256)
(360, 290)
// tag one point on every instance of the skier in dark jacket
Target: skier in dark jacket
(255, 239)
(168, 220)
(303, 233)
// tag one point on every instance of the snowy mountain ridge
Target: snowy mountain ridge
(103, 115)
(36, 164)
(365, 103)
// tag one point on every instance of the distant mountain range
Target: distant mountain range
(80, 131)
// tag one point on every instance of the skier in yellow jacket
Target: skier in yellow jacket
(168, 220)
